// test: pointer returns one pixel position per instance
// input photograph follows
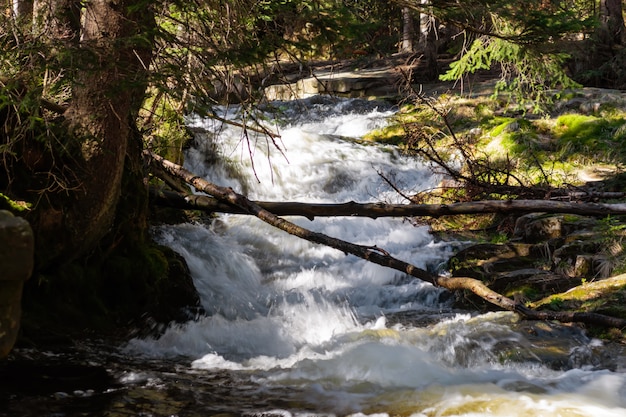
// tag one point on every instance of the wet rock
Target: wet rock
(482, 261)
(549, 254)
(47, 377)
(575, 259)
(16, 265)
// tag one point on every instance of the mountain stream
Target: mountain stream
(292, 328)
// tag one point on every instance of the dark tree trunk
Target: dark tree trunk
(22, 10)
(106, 93)
(612, 22)
(429, 44)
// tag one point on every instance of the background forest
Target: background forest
(85, 87)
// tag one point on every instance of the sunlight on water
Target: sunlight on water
(337, 335)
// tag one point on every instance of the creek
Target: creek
(292, 328)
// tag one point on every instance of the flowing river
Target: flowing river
(297, 329)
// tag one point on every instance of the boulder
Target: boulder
(537, 227)
(16, 266)
(548, 254)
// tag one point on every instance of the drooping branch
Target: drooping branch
(372, 254)
(376, 210)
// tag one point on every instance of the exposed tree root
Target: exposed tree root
(374, 254)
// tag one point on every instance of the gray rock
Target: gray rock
(16, 266)
(538, 227)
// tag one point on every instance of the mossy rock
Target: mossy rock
(536, 227)
(596, 296)
(114, 294)
(606, 296)
(483, 260)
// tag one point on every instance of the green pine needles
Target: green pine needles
(527, 43)
(529, 74)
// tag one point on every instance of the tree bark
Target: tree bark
(408, 31)
(57, 20)
(371, 253)
(22, 10)
(429, 42)
(612, 22)
(376, 210)
(112, 53)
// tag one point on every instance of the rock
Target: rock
(360, 83)
(575, 258)
(16, 266)
(536, 227)
(551, 264)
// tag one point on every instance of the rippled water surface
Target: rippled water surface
(293, 328)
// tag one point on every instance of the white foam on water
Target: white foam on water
(295, 314)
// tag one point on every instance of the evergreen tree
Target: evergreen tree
(526, 39)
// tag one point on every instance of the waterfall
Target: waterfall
(332, 332)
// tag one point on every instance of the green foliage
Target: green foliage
(499, 238)
(13, 206)
(528, 73)
(610, 227)
(524, 39)
(165, 122)
(209, 53)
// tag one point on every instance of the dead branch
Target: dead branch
(376, 210)
(372, 254)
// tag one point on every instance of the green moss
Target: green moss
(497, 125)
(598, 135)
(556, 303)
(578, 128)
(484, 109)
(607, 296)
(15, 207)
(106, 291)
(393, 135)
(526, 291)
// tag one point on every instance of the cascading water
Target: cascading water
(297, 328)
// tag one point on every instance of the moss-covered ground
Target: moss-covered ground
(552, 146)
(578, 141)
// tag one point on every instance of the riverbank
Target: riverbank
(573, 148)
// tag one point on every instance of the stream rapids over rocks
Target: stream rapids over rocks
(291, 328)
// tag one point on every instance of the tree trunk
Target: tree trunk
(57, 20)
(107, 90)
(22, 10)
(374, 254)
(612, 22)
(429, 44)
(408, 31)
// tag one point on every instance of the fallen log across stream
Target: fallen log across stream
(374, 254)
(376, 210)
